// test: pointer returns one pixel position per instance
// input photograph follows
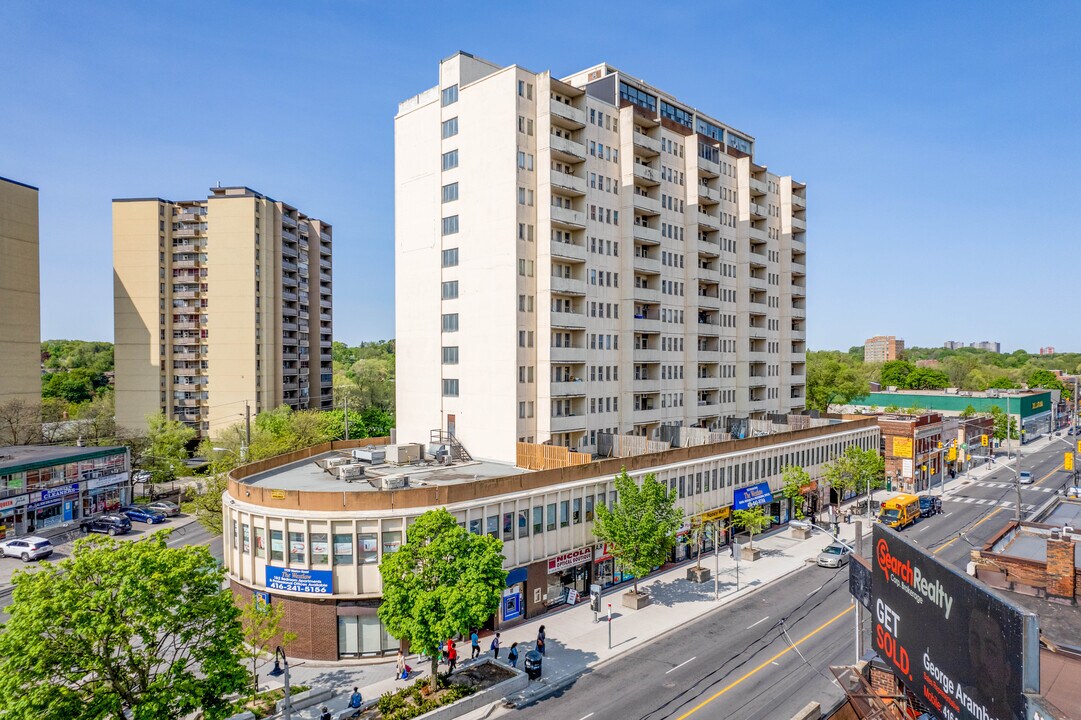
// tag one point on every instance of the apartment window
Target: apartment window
(564, 513)
(450, 160)
(551, 523)
(450, 257)
(450, 192)
(450, 225)
(450, 128)
(450, 322)
(538, 520)
(450, 354)
(450, 290)
(450, 95)
(450, 387)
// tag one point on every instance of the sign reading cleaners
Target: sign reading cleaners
(299, 580)
(955, 645)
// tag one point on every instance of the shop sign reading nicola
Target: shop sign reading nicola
(570, 559)
(299, 580)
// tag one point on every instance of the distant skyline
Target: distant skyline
(939, 141)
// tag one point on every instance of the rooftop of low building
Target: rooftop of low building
(15, 458)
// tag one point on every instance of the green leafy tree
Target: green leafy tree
(752, 521)
(969, 411)
(74, 386)
(1002, 426)
(895, 373)
(793, 478)
(641, 525)
(440, 583)
(831, 380)
(377, 422)
(926, 379)
(1003, 383)
(260, 624)
(121, 624)
(204, 501)
(892, 409)
(166, 448)
(1048, 380)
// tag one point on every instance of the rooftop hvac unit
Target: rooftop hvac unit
(374, 455)
(349, 473)
(393, 482)
(335, 462)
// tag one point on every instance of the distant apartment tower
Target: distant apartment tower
(218, 303)
(587, 255)
(988, 345)
(953, 344)
(1049, 350)
(20, 294)
(883, 348)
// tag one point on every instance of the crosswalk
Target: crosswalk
(992, 484)
(985, 501)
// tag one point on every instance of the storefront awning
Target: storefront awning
(752, 496)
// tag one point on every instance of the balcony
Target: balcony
(709, 383)
(568, 286)
(289, 311)
(708, 167)
(799, 202)
(758, 187)
(708, 195)
(289, 296)
(758, 212)
(647, 326)
(646, 174)
(646, 415)
(568, 423)
(186, 371)
(186, 403)
(288, 266)
(185, 325)
(565, 217)
(649, 147)
(289, 251)
(567, 149)
(568, 355)
(324, 262)
(799, 225)
(569, 183)
(189, 217)
(648, 235)
(289, 222)
(568, 251)
(186, 247)
(569, 320)
(645, 294)
(647, 265)
(646, 204)
(708, 221)
(181, 264)
(709, 302)
(575, 388)
(647, 356)
(568, 115)
(757, 236)
(799, 290)
(289, 235)
(185, 232)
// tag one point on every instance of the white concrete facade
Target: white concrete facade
(586, 255)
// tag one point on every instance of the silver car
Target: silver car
(834, 556)
(169, 509)
(27, 548)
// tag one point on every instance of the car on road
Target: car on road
(27, 548)
(140, 476)
(834, 555)
(930, 505)
(169, 509)
(111, 524)
(139, 513)
(1025, 478)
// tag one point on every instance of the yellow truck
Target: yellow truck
(900, 511)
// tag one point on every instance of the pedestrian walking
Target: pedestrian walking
(452, 656)
(443, 650)
(512, 655)
(325, 715)
(475, 640)
(399, 667)
(495, 646)
(540, 641)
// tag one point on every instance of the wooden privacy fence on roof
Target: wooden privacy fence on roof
(548, 457)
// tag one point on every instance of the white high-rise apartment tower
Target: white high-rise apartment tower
(587, 255)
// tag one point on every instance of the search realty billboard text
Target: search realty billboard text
(957, 646)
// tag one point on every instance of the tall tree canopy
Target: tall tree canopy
(833, 379)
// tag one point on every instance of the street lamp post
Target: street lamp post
(280, 669)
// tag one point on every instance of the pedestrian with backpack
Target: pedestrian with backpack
(512, 655)
(495, 646)
(540, 641)
(355, 701)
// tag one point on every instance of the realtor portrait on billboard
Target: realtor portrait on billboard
(957, 646)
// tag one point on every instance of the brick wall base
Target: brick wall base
(314, 621)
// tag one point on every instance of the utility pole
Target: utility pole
(1075, 440)
(247, 431)
(1017, 463)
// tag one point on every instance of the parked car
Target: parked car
(166, 508)
(140, 513)
(141, 476)
(834, 555)
(111, 524)
(27, 548)
(930, 505)
(1025, 478)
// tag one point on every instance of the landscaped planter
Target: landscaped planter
(749, 554)
(484, 697)
(801, 533)
(307, 699)
(698, 574)
(635, 601)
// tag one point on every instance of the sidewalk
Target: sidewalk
(575, 643)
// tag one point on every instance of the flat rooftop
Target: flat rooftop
(1065, 512)
(14, 458)
(309, 475)
(1028, 545)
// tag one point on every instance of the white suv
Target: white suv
(27, 548)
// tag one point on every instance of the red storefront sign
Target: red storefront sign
(809, 487)
(603, 552)
(570, 559)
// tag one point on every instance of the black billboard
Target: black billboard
(955, 645)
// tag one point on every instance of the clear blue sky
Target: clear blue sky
(940, 141)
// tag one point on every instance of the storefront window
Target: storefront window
(297, 548)
(538, 519)
(277, 547)
(392, 541)
(343, 549)
(367, 548)
(551, 525)
(320, 550)
(364, 635)
(260, 542)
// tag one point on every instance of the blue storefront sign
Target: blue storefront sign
(53, 496)
(753, 496)
(299, 580)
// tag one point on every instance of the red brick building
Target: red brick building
(913, 448)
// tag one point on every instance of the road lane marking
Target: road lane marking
(677, 667)
(766, 663)
(759, 622)
(584, 717)
(815, 590)
(985, 518)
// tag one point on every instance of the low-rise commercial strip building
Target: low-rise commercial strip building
(311, 542)
(48, 486)
(913, 450)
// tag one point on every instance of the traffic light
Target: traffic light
(983, 440)
(939, 444)
(1067, 462)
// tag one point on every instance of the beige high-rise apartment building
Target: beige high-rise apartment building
(219, 303)
(20, 294)
(586, 255)
(883, 348)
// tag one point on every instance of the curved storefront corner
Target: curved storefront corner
(312, 543)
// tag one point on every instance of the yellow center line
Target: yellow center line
(750, 673)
